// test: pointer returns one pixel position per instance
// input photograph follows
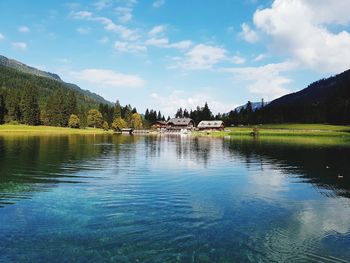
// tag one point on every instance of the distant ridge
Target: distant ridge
(323, 101)
(23, 68)
(255, 106)
(11, 63)
(318, 91)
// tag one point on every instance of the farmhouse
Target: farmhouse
(159, 125)
(180, 123)
(211, 125)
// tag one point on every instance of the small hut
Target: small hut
(211, 125)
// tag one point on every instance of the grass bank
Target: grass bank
(7, 129)
(284, 130)
(301, 134)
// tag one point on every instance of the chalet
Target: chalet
(177, 124)
(159, 125)
(211, 125)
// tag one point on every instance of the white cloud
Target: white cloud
(109, 25)
(83, 30)
(265, 81)
(158, 3)
(24, 29)
(309, 38)
(164, 43)
(124, 14)
(82, 15)
(238, 60)
(202, 57)
(184, 44)
(2, 37)
(19, 45)
(179, 98)
(248, 34)
(129, 47)
(260, 57)
(157, 42)
(157, 30)
(108, 78)
(102, 4)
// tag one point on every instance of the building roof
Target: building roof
(160, 122)
(180, 121)
(210, 124)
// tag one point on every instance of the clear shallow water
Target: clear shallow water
(172, 199)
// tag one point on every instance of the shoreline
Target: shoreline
(264, 131)
(22, 129)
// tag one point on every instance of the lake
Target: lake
(116, 198)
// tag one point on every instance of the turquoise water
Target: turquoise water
(172, 199)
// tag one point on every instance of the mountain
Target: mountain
(255, 106)
(11, 63)
(317, 92)
(17, 71)
(324, 101)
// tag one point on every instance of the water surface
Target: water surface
(172, 199)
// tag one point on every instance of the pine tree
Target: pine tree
(147, 114)
(30, 106)
(127, 114)
(2, 109)
(117, 110)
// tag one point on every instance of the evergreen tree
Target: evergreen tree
(2, 109)
(147, 114)
(206, 113)
(127, 114)
(117, 110)
(59, 108)
(13, 107)
(30, 106)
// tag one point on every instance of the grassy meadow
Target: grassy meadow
(8, 129)
(313, 134)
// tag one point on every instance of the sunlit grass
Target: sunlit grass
(313, 134)
(27, 129)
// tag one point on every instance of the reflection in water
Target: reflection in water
(171, 199)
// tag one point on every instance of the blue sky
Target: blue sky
(163, 54)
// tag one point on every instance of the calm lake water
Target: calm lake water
(172, 199)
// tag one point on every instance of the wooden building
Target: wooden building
(178, 124)
(159, 125)
(211, 125)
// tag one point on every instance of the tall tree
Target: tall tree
(13, 105)
(127, 114)
(30, 106)
(117, 110)
(94, 118)
(119, 124)
(136, 121)
(2, 109)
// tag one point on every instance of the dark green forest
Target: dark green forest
(324, 101)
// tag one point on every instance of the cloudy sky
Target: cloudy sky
(163, 54)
